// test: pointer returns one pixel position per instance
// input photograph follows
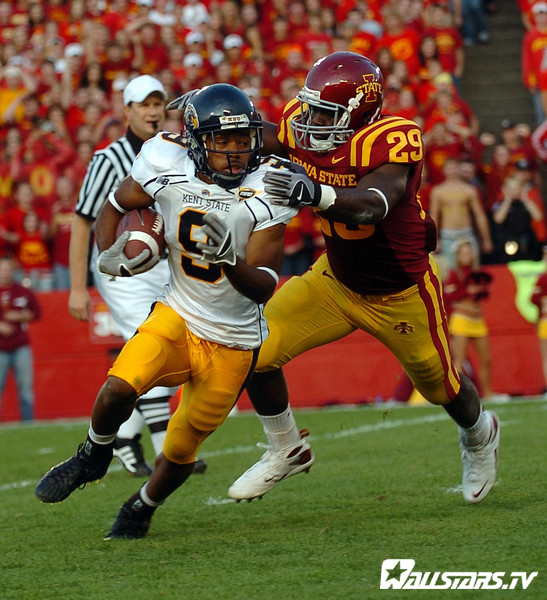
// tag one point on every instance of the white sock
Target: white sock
(156, 413)
(281, 430)
(102, 440)
(477, 433)
(146, 499)
(157, 440)
(133, 426)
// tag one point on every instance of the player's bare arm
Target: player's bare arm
(254, 277)
(375, 194)
(129, 196)
(367, 203)
(271, 143)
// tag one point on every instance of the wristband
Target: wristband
(270, 272)
(112, 201)
(328, 196)
(383, 197)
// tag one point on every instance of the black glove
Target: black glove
(181, 102)
(297, 189)
(218, 248)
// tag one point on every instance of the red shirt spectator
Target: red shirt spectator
(15, 298)
(534, 69)
(117, 63)
(61, 221)
(402, 41)
(39, 162)
(150, 56)
(276, 38)
(117, 17)
(440, 144)
(32, 251)
(495, 173)
(23, 204)
(448, 38)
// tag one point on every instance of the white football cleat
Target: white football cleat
(480, 463)
(271, 469)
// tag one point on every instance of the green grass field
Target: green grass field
(384, 486)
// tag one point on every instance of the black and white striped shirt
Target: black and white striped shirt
(106, 170)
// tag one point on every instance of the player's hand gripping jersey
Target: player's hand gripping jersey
(198, 289)
(392, 255)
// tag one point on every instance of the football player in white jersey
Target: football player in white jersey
(225, 242)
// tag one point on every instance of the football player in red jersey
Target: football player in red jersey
(361, 173)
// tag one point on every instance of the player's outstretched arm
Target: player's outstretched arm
(367, 203)
(271, 145)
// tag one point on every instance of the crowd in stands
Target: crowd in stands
(64, 65)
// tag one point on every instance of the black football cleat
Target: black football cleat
(82, 468)
(200, 466)
(133, 520)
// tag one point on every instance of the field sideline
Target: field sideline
(384, 486)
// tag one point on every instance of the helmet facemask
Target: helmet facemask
(200, 152)
(217, 109)
(320, 138)
(347, 86)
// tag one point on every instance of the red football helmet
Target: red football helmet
(344, 83)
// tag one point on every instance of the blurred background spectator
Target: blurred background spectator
(465, 288)
(18, 307)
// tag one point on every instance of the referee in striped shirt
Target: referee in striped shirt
(128, 298)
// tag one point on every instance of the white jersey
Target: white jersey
(198, 290)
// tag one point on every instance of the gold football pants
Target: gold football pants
(316, 309)
(165, 352)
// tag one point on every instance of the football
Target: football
(146, 227)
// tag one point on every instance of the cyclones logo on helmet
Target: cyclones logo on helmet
(346, 84)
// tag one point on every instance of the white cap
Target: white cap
(146, 2)
(138, 89)
(119, 84)
(233, 41)
(192, 59)
(539, 7)
(74, 49)
(194, 37)
(12, 71)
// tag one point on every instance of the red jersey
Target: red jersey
(403, 46)
(534, 67)
(449, 40)
(15, 297)
(62, 223)
(32, 252)
(394, 254)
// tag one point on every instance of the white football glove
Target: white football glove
(113, 261)
(218, 247)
